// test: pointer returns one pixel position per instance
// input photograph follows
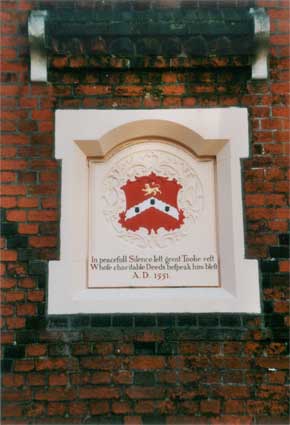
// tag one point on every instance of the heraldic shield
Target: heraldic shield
(151, 203)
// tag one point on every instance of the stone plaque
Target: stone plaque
(152, 218)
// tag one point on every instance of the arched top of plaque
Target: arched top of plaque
(143, 130)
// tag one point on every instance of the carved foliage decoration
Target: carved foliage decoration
(164, 160)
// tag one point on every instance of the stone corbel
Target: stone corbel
(38, 56)
(262, 32)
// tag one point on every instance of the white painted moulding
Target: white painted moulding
(222, 132)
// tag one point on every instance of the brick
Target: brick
(8, 202)
(27, 283)
(36, 379)
(277, 378)
(103, 348)
(36, 350)
(100, 378)
(173, 90)
(8, 283)
(94, 90)
(210, 406)
(27, 177)
(26, 310)
(99, 393)
(35, 296)
(44, 114)
(123, 377)
(24, 365)
(27, 202)
(56, 364)
(100, 363)
(28, 229)
(232, 392)
(7, 152)
(78, 408)
(121, 407)
(15, 139)
(99, 407)
(56, 394)
(129, 90)
(272, 392)
(284, 266)
(8, 177)
(171, 102)
(12, 410)
(9, 255)
(147, 362)
(7, 310)
(132, 420)
(42, 241)
(59, 379)
(44, 215)
(12, 380)
(145, 392)
(234, 406)
(16, 215)
(56, 409)
(15, 296)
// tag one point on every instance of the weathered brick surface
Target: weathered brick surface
(173, 369)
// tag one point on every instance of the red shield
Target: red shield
(151, 202)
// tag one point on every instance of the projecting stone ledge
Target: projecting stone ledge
(134, 35)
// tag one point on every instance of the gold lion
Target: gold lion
(151, 190)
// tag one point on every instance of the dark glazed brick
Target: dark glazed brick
(57, 322)
(166, 348)
(210, 320)
(284, 239)
(266, 281)
(27, 337)
(279, 252)
(122, 320)
(273, 420)
(38, 267)
(6, 365)
(186, 320)
(280, 280)
(274, 320)
(17, 242)
(268, 307)
(269, 266)
(230, 320)
(3, 215)
(59, 349)
(99, 321)
(144, 378)
(153, 420)
(105, 420)
(280, 334)
(166, 320)
(146, 321)
(42, 281)
(14, 352)
(27, 254)
(8, 229)
(79, 322)
(144, 347)
(36, 323)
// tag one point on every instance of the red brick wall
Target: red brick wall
(135, 369)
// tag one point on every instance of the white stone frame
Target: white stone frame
(222, 131)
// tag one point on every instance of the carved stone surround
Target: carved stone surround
(83, 134)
